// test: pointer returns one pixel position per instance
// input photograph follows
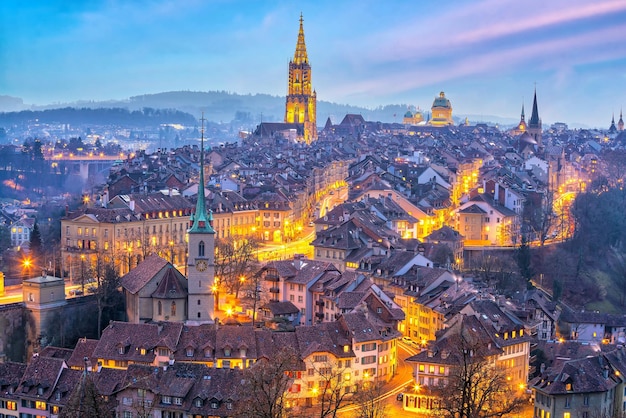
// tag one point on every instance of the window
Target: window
(12, 406)
(128, 414)
(568, 403)
(201, 249)
(320, 358)
(189, 352)
(173, 309)
(227, 352)
(368, 347)
(143, 351)
(178, 401)
(214, 405)
(166, 400)
(368, 360)
(586, 400)
(198, 403)
(159, 308)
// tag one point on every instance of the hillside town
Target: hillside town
(336, 268)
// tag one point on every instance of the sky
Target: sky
(488, 56)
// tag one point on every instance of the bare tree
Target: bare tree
(475, 388)
(266, 383)
(234, 262)
(368, 398)
(332, 390)
(86, 401)
(106, 292)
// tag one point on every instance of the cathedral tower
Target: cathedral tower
(301, 106)
(534, 124)
(620, 123)
(201, 253)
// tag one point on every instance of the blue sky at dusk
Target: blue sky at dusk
(486, 55)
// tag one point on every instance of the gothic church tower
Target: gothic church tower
(534, 124)
(201, 253)
(301, 106)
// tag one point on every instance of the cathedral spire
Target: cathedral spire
(523, 116)
(534, 117)
(201, 223)
(300, 56)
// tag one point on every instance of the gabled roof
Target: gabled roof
(145, 271)
(172, 285)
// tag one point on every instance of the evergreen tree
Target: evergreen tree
(35, 241)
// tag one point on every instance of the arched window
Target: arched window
(173, 308)
(159, 308)
(201, 249)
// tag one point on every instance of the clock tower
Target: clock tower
(201, 253)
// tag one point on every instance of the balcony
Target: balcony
(271, 277)
(319, 303)
(274, 290)
(319, 315)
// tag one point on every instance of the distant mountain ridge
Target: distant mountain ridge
(223, 106)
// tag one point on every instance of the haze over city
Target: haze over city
(487, 56)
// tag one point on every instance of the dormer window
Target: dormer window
(189, 352)
(242, 352)
(58, 396)
(120, 350)
(227, 352)
(207, 352)
(198, 403)
(568, 386)
(142, 351)
(166, 400)
(214, 404)
(39, 391)
(178, 401)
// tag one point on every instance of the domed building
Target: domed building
(411, 118)
(441, 111)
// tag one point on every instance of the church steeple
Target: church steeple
(523, 117)
(620, 123)
(534, 124)
(612, 128)
(200, 255)
(300, 56)
(301, 102)
(534, 116)
(201, 223)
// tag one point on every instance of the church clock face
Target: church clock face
(201, 265)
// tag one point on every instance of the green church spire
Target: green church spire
(201, 223)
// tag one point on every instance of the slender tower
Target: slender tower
(301, 105)
(534, 124)
(620, 123)
(201, 252)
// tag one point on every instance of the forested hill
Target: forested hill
(223, 106)
(100, 116)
